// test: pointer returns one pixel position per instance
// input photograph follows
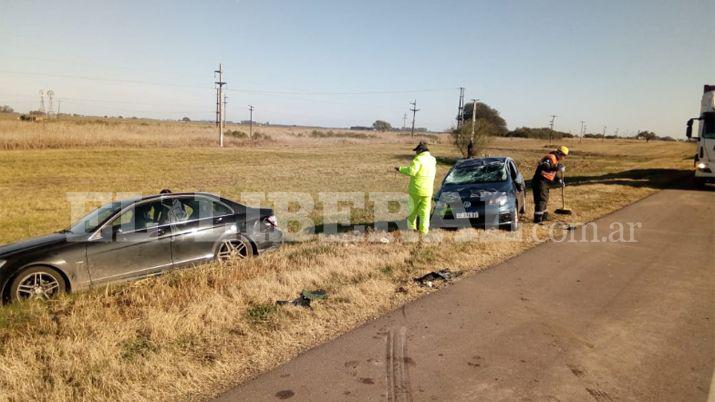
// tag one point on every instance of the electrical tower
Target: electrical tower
(603, 137)
(582, 132)
(460, 108)
(220, 120)
(42, 101)
(50, 99)
(250, 121)
(551, 132)
(404, 121)
(414, 111)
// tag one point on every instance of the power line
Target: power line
(256, 91)
(366, 92)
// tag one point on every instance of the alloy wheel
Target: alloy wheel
(38, 286)
(231, 249)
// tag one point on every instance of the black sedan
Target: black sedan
(481, 192)
(135, 238)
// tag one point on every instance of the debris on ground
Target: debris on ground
(442, 275)
(305, 297)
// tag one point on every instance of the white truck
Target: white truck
(705, 157)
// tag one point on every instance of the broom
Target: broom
(563, 210)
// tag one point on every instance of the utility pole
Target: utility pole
(474, 116)
(59, 107)
(460, 108)
(603, 137)
(582, 132)
(250, 122)
(404, 121)
(220, 121)
(414, 112)
(551, 132)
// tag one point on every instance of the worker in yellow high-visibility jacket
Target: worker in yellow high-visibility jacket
(422, 171)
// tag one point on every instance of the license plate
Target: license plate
(467, 215)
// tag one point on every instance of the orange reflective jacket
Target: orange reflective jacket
(549, 175)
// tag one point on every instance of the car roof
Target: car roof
(173, 195)
(481, 161)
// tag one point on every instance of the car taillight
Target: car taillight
(272, 221)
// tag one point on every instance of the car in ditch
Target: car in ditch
(135, 238)
(481, 192)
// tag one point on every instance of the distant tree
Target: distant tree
(488, 113)
(6, 109)
(484, 131)
(539, 132)
(647, 136)
(185, 119)
(381, 125)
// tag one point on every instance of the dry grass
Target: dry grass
(117, 133)
(192, 333)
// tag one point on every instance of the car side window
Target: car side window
(220, 209)
(138, 217)
(180, 209)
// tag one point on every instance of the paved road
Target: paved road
(562, 322)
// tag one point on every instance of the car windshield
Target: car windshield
(474, 174)
(90, 222)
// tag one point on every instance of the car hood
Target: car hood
(30, 244)
(481, 190)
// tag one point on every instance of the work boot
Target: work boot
(545, 216)
(538, 218)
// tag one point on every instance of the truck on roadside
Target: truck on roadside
(705, 157)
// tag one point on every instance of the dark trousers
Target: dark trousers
(540, 188)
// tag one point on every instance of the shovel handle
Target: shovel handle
(563, 184)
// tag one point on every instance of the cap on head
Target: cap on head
(421, 147)
(165, 191)
(564, 150)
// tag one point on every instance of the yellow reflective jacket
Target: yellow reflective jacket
(422, 171)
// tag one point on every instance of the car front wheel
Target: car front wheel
(37, 283)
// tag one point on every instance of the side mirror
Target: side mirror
(689, 129)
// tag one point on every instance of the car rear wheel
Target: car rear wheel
(234, 249)
(37, 283)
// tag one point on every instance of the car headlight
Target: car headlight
(701, 165)
(500, 200)
(449, 198)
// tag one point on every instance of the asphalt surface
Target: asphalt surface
(565, 321)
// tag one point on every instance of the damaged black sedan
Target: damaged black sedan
(481, 192)
(135, 238)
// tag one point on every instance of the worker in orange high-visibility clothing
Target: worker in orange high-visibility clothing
(548, 172)
(422, 171)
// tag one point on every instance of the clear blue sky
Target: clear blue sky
(637, 64)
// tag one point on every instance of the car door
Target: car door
(133, 244)
(205, 222)
(519, 186)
